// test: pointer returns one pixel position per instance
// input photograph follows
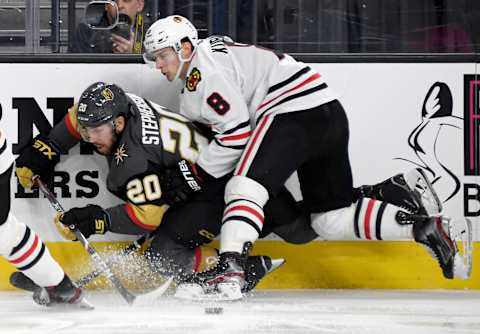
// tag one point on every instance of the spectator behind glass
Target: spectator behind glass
(87, 40)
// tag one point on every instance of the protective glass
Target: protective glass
(97, 9)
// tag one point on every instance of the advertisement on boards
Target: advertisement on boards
(401, 116)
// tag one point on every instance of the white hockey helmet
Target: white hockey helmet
(169, 32)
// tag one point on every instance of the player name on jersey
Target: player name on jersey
(150, 127)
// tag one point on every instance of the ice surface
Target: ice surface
(271, 311)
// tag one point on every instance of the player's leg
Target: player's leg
(373, 219)
(278, 146)
(411, 191)
(180, 246)
(288, 219)
(326, 185)
(24, 249)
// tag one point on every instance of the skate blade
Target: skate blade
(150, 297)
(84, 304)
(276, 263)
(194, 292)
(461, 233)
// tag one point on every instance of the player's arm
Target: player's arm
(225, 111)
(66, 133)
(130, 218)
(142, 211)
(43, 152)
(126, 218)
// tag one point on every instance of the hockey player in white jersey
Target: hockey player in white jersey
(24, 249)
(270, 116)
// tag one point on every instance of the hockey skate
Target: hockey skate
(229, 279)
(411, 191)
(448, 241)
(65, 293)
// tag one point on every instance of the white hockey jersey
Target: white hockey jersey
(230, 87)
(6, 156)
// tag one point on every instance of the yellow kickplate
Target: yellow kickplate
(319, 264)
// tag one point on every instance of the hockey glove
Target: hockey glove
(39, 158)
(89, 220)
(179, 183)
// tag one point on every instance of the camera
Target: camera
(104, 15)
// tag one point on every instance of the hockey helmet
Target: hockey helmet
(101, 103)
(169, 32)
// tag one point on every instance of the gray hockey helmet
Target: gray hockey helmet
(101, 103)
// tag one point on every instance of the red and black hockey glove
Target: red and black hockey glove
(39, 158)
(89, 220)
(180, 182)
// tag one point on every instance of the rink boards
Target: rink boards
(334, 265)
(401, 116)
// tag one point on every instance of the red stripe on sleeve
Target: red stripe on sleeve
(237, 137)
(135, 220)
(310, 79)
(71, 129)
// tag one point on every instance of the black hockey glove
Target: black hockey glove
(89, 220)
(39, 158)
(179, 183)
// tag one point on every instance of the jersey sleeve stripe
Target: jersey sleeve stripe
(136, 220)
(238, 127)
(233, 147)
(295, 96)
(236, 137)
(313, 77)
(71, 124)
(289, 80)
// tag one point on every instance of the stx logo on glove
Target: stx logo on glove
(188, 176)
(44, 148)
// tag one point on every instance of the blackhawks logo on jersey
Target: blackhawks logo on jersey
(193, 79)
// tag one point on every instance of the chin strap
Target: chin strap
(183, 61)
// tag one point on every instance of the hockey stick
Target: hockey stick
(137, 244)
(100, 263)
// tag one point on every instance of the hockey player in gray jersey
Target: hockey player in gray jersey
(272, 116)
(140, 140)
(24, 249)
